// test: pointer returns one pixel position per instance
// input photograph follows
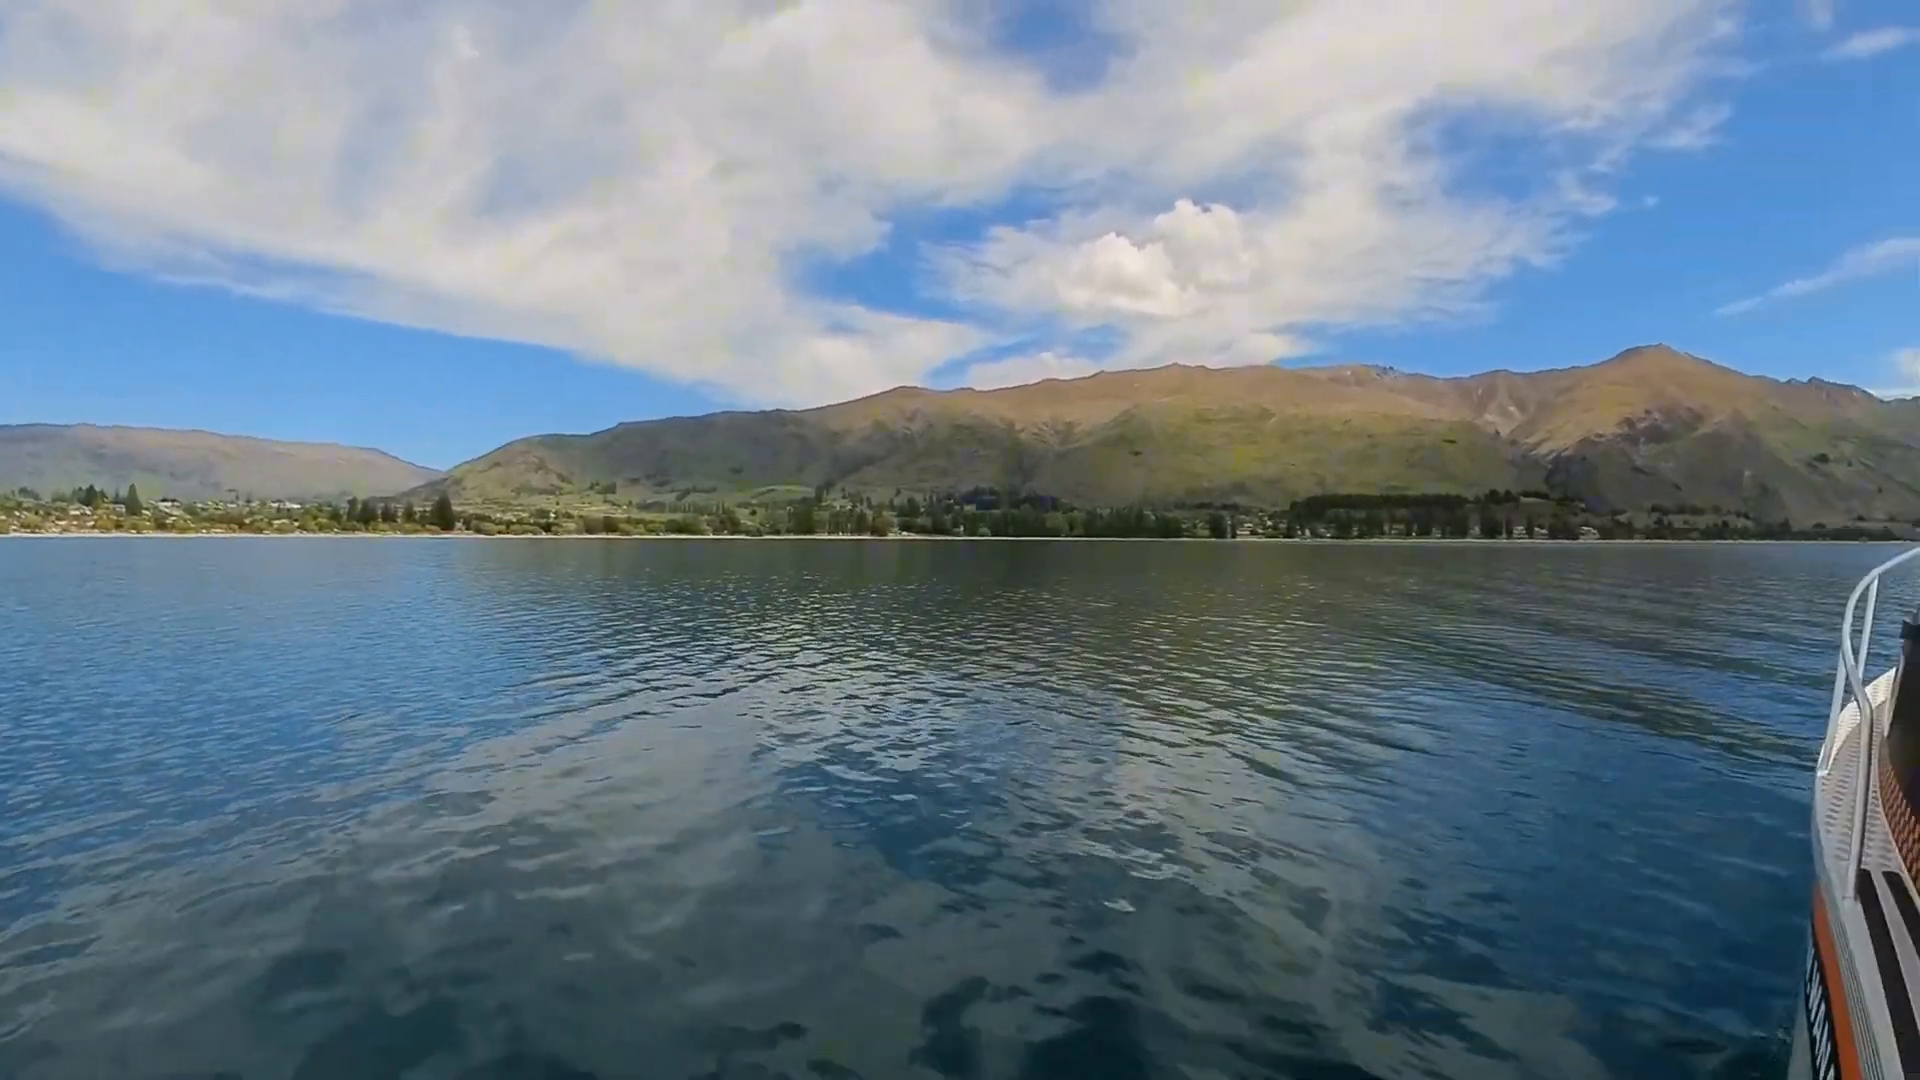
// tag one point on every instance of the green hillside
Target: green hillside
(194, 464)
(1652, 425)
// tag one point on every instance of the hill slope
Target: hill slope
(1647, 426)
(194, 464)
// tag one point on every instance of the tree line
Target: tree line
(365, 512)
(991, 512)
(91, 497)
(370, 512)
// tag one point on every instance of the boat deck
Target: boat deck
(1876, 929)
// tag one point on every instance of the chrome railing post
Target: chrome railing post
(1863, 778)
(1827, 745)
(1866, 628)
(1869, 728)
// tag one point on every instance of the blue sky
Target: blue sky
(436, 232)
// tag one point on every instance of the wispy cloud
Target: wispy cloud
(647, 184)
(1866, 261)
(1870, 43)
(1695, 130)
(1818, 13)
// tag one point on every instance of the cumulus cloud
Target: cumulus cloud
(1866, 261)
(1870, 43)
(1176, 266)
(1017, 370)
(650, 184)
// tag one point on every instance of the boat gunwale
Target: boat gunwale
(1850, 681)
(1851, 754)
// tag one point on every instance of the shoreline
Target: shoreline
(919, 537)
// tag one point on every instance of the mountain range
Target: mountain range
(1649, 426)
(194, 464)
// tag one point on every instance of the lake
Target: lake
(313, 808)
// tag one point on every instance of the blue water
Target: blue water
(307, 808)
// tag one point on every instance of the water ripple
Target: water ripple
(310, 808)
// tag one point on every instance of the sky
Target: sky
(437, 226)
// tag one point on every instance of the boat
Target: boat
(1857, 1020)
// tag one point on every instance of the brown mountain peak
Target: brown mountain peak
(1661, 356)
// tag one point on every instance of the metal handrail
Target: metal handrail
(1851, 679)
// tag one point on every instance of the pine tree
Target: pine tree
(441, 516)
(133, 503)
(1489, 523)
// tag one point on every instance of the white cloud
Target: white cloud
(646, 183)
(1908, 361)
(1906, 364)
(1186, 259)
(1017, 370)
(1818, 13)
(1868, 260)
(1869, 43)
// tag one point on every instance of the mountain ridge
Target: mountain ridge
(1651, 424)
(193, 463)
